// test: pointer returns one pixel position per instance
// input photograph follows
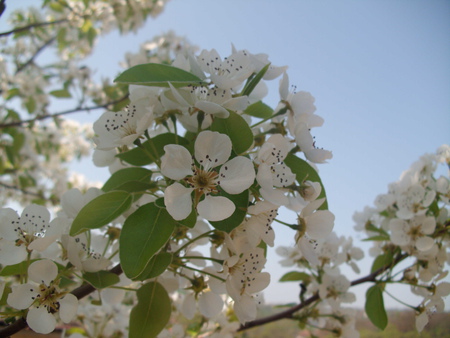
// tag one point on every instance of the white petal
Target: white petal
(178, 201)
(8, 223)
(176, 163)
(316, 155)
(281, 145)
(34, 218)
(212, 149)
(237, 175)
(303, 103)
(284, 86)
(424, 243)
(212, 109)
(421, 321)
(22, 295)
(245, 309)
(320, 224)
(40, 321)
(189, 306)
(260, 282)
(68, 307)
(104, 158)
(43, 271)
(210, 304)
(215, 208)
(10, 253)
(264, 177)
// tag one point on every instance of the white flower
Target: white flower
(272, 172)
(31, 231)
(334, 290)
(116, 129)
(212, 150)
(244, 279)
(317, 224)
(260, 222)
(307, 145)
(45, 298)
(413, 232)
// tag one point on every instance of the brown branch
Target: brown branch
(31, 59)
(70, 111)
(80, 292)
(289, 313)
(33, 25)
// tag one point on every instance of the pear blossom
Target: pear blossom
(244, 278)
(317, 224)
(212, 150)
(413, 232)
(116, 129)
(272, 172)
(43, 298)
(334, 290)
(31, 231)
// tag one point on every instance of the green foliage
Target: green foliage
(159, 75)
(253, 81)
(375, 307)
(152, 312)
(151, 150)
(383, 260)
(101, 279)
(294, 276)
(143, 234)
(156, 266)
(259, 109)
(241, 203)
(303, 172)
(100, 211)
(237, 129)
(123, 176)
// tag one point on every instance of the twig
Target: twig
(40, 49)
(37, 24)
(70, 111)
(80, 292)
(290, 312)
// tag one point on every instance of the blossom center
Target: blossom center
(204, 181)
(48, 297)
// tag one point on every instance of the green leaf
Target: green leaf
(101, 279)
(376, 238)
(250, 85)
(143, 234)
(381, 261)
(375, 307)
(159, 75)
(241, 203)
(16, 269)
(259, 109)
(122, 176)
(100, 211)
(295, 276)
(237, 129)
(151, 150)
(30, 105)
(156, 266)
(303, 171)
(61, 93)
(152, 312)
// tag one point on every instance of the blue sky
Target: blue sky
(379, 70)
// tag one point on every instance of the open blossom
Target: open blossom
(31, 231)
(413, 232)
(44, 298)
(272, 172)
(317, 224)
(116, 129)
(244, 279)
(203, 178)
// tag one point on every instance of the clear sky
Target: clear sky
(379, 70)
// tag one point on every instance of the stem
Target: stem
(398, 300)
(289, 313)
(202, 272)
(33, 25)
(70, 111)
(80, 292)
(31, 59)
(193, 240)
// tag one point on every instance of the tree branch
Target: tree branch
(70, 111)
(80, 292)
(31, 59)
(33, 25)
(289, 313)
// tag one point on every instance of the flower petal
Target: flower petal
(215, 208)
(22, 296)
(40, 321)
(210, 304)
(43, 271)
(212, 149)
(176, 163)
(237, 175)
(178, 201)
(68, 307)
